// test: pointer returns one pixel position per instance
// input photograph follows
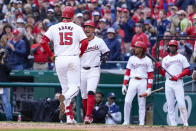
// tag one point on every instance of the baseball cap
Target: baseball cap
(111, 95)
(148, 21)
(177, 30)
(138, 25)
(79, 15)
(50, 10)
(102, 20)
(171, 4)
(95, 13)
(111, 30)
(181, 12)
(5, 21)
(174, 7)
(94, 1)
(108, 11)
(19, 20)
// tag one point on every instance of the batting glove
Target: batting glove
(124, 89)
(174, 78)
(158, 64)
(148, 91)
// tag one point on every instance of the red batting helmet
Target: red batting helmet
(89, 23)
(141, 44)
(68, 12)
(173, 42)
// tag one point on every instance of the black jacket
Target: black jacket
(4, 72)
(99, 113)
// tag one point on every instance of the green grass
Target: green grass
(38, 130)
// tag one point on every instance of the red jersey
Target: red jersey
(39, 55)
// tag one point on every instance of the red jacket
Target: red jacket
(192, 32)
(140, 37)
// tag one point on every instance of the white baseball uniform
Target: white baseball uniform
(139, 69)
(91, 58)
(66, 37)
(174, 89)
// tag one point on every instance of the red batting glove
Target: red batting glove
(158, 64)
(174, 78)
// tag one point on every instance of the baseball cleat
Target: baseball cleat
(88, 120)
(70, 120)
(62, 104)
(125, 123)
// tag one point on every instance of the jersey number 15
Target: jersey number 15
(65, 38)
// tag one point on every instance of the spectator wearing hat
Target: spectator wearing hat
(118, 14)
(150, 32)
(113, 44)
(114, 115)
(162, 47)
(57, 11)
(148, 15)
(162, 23)
(108, 17)
(173, 18)
(86, 15)
(185, 23)
(79, 19)
(51, 17)
(184, 47)
(100, 109)
(40, 56)
(27, 9)
(16, 51)
(102, 31)
(6, 35)
(139, 36)
(95, 18)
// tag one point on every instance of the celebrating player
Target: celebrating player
(140, 71)
(66, 37)
(178, 66)
(90, 69)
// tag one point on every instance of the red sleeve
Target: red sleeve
(162, 71)
(150, 79)
(44, 44)
(161, 4)
(126, 76)
(84, 45)
(184, 73)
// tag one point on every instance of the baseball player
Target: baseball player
(90, 69)
(66, 37)
(140, 71)
(178, 66)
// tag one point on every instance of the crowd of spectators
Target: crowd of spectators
(119, 22)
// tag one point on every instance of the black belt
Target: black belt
(88, 68)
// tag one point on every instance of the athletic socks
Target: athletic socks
(90, 104)
(69, 111)
(84, 103)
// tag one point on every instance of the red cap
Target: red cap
(107, 11)
(68, 12)
(89, 23)
(15, 31)
(125, 10)
(94, 1)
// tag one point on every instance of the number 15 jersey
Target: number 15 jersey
(66, 37)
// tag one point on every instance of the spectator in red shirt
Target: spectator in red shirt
(192, 31)
(162, 47)
(139, 36)
(40, 56)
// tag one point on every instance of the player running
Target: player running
(178, 66)
(90, 69)
(140, 71)
(66, 37)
